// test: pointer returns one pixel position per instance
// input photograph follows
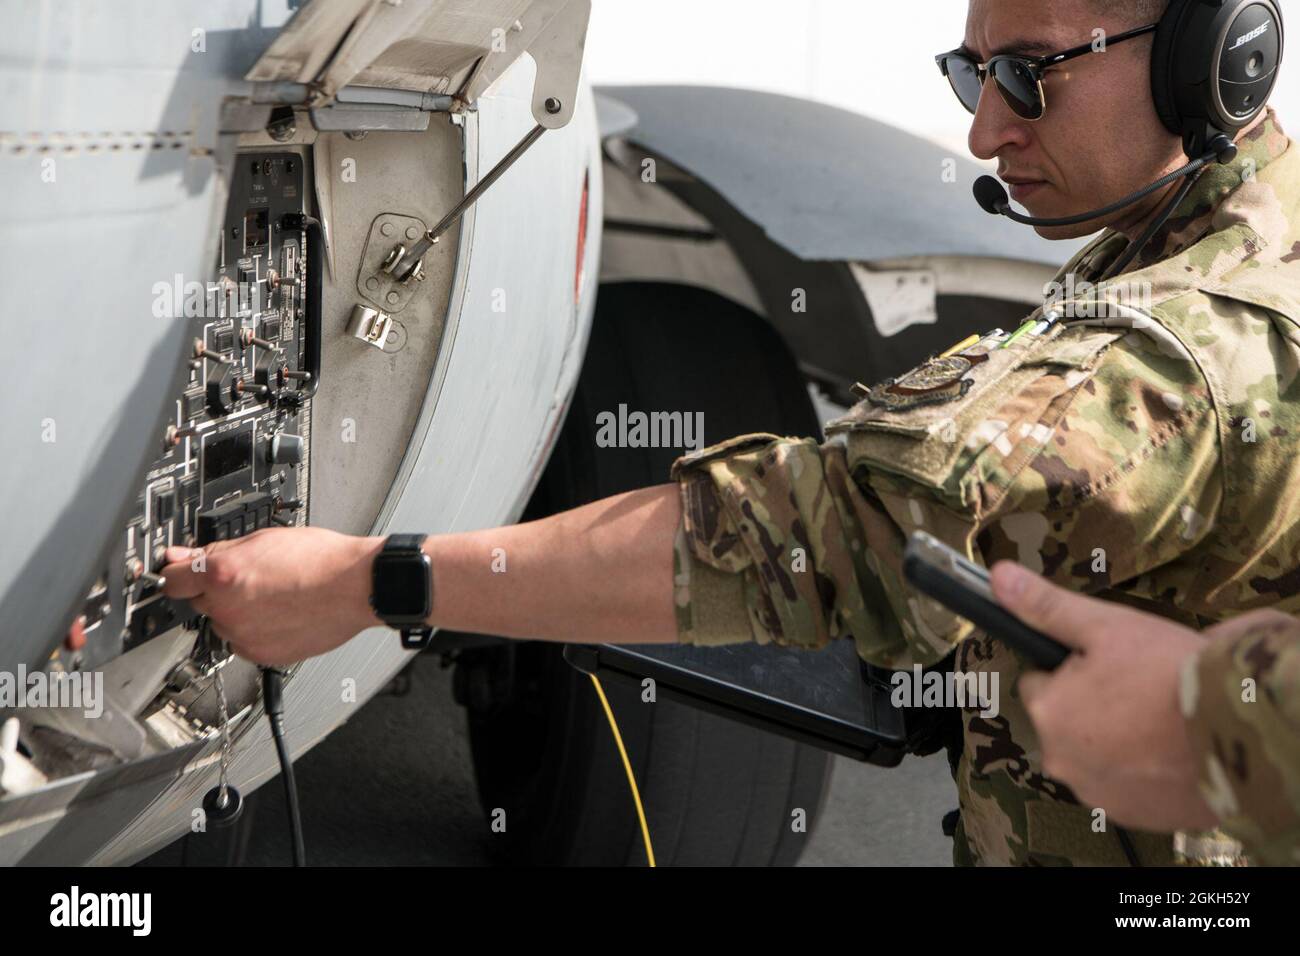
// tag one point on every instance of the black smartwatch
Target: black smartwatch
(402, 588)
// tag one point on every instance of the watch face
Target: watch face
(401, 586)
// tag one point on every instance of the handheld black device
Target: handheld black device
(963, 587)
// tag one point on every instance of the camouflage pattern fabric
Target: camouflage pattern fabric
(1241, 697)
(1140, 452)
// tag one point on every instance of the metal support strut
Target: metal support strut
(406, 265)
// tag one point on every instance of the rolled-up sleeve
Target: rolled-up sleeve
(780, 544)
(1241, 697)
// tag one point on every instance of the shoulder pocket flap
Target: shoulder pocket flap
(1078, 347)
(924, 444)
(1244, 290)
(731, 446)
(923, 416)
(990, 381)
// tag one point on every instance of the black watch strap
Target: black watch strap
(415, 635)
(416, 638)
(403, 543)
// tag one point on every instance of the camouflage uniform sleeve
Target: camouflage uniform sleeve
(1241, 697)
(779, 544)
(1090, 456)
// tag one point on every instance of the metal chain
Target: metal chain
(225, 738)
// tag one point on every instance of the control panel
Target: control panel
(234, 457)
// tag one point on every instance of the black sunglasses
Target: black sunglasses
(1018, 78)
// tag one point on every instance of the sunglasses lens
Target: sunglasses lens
(1019, 87)
(965, 80)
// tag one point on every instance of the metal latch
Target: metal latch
(370, 325)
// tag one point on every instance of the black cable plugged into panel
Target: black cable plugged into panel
(273, 702)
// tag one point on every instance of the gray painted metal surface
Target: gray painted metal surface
(109, 158)
(826, 183)
(499, 391)
(366, 409)
(81, 285)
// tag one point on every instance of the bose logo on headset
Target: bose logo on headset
(1258, 32)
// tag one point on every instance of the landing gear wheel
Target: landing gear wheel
(715, 792)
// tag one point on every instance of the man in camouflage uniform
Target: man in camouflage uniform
(1138, 449)
(1139, 455)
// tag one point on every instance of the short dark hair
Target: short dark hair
(1141, 11)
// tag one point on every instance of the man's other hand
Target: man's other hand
(1108, 720)
(279, 595)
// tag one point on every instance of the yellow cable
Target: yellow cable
(627, 765)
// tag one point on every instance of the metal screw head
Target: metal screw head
(553, 105)
(282, 125)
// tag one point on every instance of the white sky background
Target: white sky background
(868, 56)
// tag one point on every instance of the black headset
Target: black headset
(1214, 66)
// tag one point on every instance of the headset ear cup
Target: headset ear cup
(1245, 71)
(1162, 66)
(1199, 81)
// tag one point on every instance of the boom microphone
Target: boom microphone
(991, 196)
(993, 199)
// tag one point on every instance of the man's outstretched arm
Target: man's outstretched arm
(602, 573)
(758, 538)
